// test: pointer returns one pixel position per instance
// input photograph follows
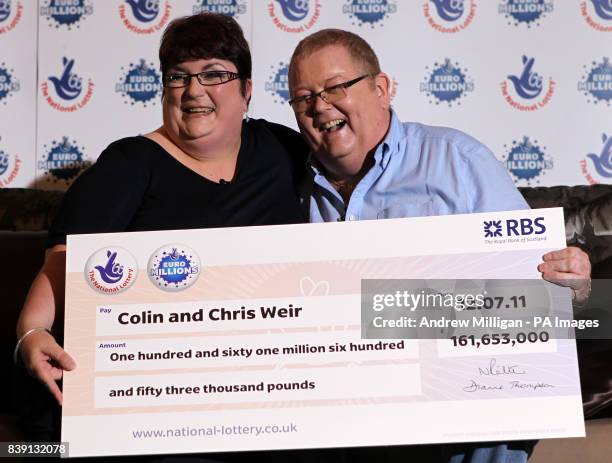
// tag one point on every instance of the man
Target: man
(366, 164)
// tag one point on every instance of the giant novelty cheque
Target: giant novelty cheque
(251, 338)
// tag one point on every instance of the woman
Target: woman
(205, 167)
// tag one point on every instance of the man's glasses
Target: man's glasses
(205, 78)
(330, 95)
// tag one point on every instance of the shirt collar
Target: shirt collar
(391, 142)
(387, 147)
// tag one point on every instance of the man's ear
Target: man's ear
(382, 83)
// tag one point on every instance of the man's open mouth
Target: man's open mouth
(332, 126)
(199, 110)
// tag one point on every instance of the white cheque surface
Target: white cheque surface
(249, 338)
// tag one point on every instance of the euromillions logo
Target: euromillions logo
(231, 8)
(278, 83)
(446, 83)
(528, 12)
(597, 14)
(596, 83)
(144, 16)
(66, 92)
(492, 228)
(369, 12)
(527, 161)
(601, 162)
(111, 270)
(526, 90)
(11, 13)
(294, 16)
(449, 16)
(8, 83)
(141, 83)
(64, 161)
(9, 168)
(173, 267)
(66, 13)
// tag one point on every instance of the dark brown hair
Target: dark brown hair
(358, 48)
(206, 36)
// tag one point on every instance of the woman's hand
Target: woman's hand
(45, 360)
(43, 357)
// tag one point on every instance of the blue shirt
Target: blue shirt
(420, 170)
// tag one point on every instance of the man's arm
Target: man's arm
(495, 191)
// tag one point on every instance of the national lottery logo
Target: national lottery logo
(140, 83)
(527, 161)
(4, 162)
(278, 83)
(65, 91)
(9, 168)
(111, 270)
(66, 13)
(173, 267)
(5, 10)
(231, 8)
(294, 16)
(8, 83)
(528, 12)
(369, 12)
(597, 14)
(449, 16)
(446, 83)
(11, 12)
(527, 90)
(64, 161)
(601, 162)
(145, 16)
(596, 83)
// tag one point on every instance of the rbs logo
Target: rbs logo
(524, 227)
(514, 227)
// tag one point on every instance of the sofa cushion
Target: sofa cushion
(25, 209)
(588, 215)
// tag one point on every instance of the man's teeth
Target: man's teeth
(199, 110)
(333, 125)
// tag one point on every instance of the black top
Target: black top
(136, 185)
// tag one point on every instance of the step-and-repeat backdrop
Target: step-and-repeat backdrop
(532, 79)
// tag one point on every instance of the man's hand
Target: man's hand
(569, 267)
